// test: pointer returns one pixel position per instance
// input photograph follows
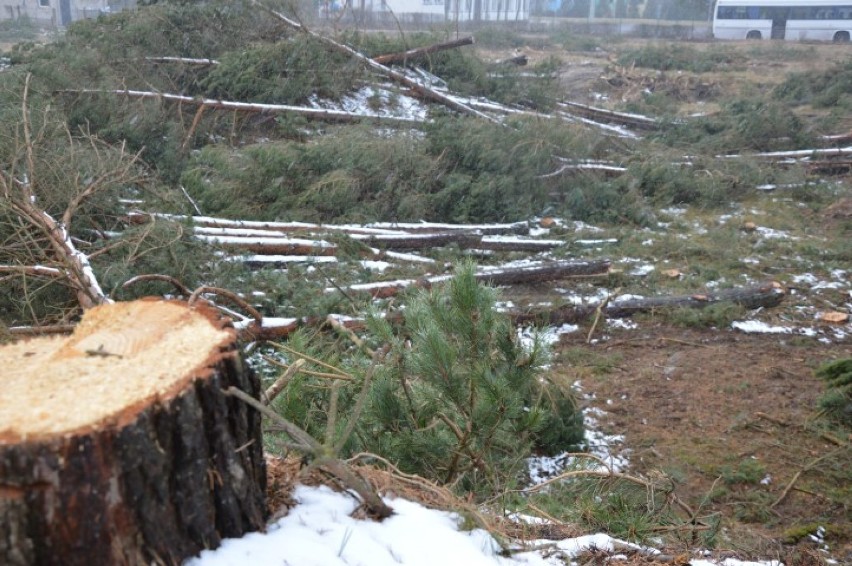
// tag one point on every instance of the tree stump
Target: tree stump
(117, 444)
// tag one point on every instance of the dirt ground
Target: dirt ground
(710, 407)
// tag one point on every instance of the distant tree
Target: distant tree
(687, 9)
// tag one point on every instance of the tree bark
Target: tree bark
(402, 57)
(118, 446)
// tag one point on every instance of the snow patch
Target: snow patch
(758, 327)
(320, 532)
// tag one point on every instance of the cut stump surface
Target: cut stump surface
(117, 444)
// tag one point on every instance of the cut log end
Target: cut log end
(117, 444)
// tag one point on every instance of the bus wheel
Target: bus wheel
(754, 34)
(841, 37)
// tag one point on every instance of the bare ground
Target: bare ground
(731, 417)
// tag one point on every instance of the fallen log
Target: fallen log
(118, 445)
(418, 241)
(797, 154)
(533, 273)
(829, 167)
(610, 116)
(274, 245)
(283, 227)
(328, 115)
(462, 239)
(375, 228)
(404, 56)
(512, 244)
(764, 295)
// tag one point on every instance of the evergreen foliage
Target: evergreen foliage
(461, 170)
(664, 58)
(822, 89)
(742, 124)
(464, 403)
(286, 72)
(455, 397)
(617, 506)
(837, 401)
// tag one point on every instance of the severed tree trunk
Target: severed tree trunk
(765, 295)
(405, 56)
(117, 444)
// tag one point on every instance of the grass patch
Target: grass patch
(684, 58)
(831, 88)
(712, 316)
(597, 363)
(747, 471)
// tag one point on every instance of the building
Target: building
(59, 13)
(429, 11)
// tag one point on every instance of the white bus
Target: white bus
(797, 20)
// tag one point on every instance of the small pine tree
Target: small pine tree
(463, 402)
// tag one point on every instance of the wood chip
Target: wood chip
(834, 317)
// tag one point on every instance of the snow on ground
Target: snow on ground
(319, 531)
(606, 447)
(372, 101)
(824, 333)
(758, 327)
(548, 336)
